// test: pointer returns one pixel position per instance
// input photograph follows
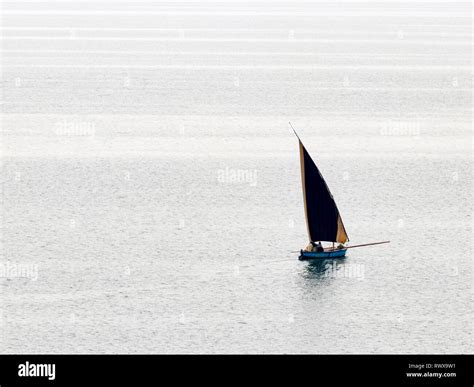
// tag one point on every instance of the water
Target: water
(151, 183)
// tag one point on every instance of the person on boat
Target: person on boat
(311, 247)
(340, 246)
(318, 247)
(314, 247)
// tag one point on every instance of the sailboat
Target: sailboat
(323, 219)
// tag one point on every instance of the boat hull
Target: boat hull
(304, 255)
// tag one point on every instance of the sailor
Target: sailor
(318, 247)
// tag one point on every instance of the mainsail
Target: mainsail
(322, 216)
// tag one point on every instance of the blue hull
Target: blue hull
(322, 255)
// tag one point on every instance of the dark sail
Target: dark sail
(322, 216)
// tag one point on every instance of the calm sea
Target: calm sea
(151, 196)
